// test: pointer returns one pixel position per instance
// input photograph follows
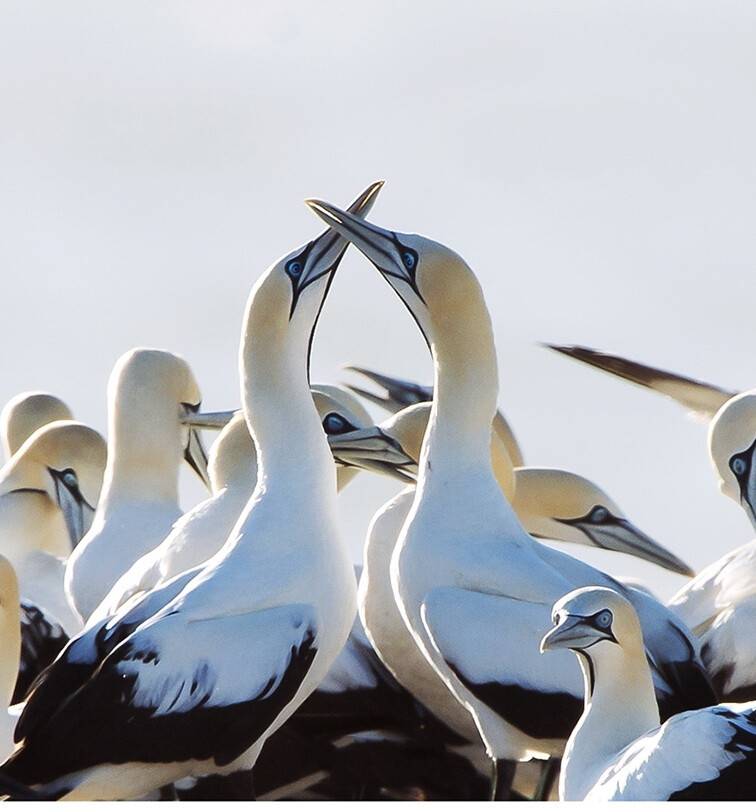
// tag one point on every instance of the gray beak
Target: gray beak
(399, 393)
(77, 511)
(372, 449)
(623, 536)
(571, 632)
(211, 420)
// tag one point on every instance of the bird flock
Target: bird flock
(234, 651)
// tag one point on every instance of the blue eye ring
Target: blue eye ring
(294, 268)
(598, 515)
(738, 465)
(334, 423)
(70, 479)
(604, 619)
(409, 258)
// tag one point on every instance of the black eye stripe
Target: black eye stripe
(743, 461)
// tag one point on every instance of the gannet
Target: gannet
(618, 751)
(195, 676)
(149, 392)
(720, 603)
(23, 414)
(48, 493)
(474, 588)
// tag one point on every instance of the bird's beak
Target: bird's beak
(380, 246)
(623, 536)
(399, 393)
(748, 502)
(194, 452)
(321, 256)
(571, 632)
(211, 420)
(77, 511)
(372, 449)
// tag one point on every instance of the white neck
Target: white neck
(144, 450)
(466, 386)
(621, 708)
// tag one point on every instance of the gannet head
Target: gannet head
(64, 460)
(434, 282)
(152, 394)
(285, 302)
(23, 414)
(732, 448)
(355, 442)
(563, 506)
(589, 616)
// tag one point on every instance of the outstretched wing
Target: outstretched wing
(703, 399)
(707, 754)
(175, 690)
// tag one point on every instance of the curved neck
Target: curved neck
(144, 449)
(466, 383)
(620, 706)
(292, 450)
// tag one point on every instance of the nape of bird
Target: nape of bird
(471, 584)
(23, 414)
(618, 750)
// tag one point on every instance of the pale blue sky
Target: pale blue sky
(593, 162)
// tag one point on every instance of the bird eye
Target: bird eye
(334, 423)
(598, 515)
(410, 259)
(738, 465)
(70, 479)
(294, 268)
(604, 618)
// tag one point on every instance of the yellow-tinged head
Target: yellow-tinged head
(592, 615)
(65, 461)
(23, 414)
(732, 447)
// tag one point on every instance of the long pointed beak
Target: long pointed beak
(571, 632)
(748, 502)
(77, 512)
(323, 254)
(376, 243)
(624, 536)
(196, 457)
(211, 420)
(372, 449)
(399, 393)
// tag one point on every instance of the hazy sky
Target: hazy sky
(593, 162)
